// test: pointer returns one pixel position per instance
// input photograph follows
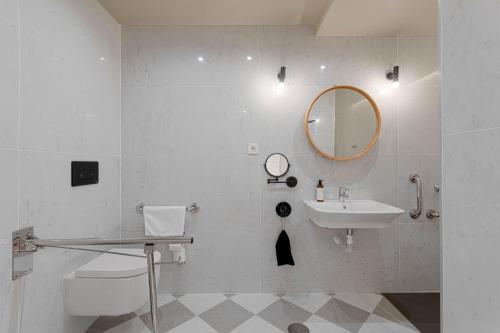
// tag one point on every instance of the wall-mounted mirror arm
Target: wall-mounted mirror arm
(277, 166)
(290, 181)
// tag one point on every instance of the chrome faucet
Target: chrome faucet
(343, 195)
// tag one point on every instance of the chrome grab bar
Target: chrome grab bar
(416, 212)
(24, 243)
(110, 241)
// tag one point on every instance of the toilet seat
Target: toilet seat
(110, 266)
(109, 285)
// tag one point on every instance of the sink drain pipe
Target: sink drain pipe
(349, 241)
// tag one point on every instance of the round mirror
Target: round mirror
(342, 123)
(277, 165)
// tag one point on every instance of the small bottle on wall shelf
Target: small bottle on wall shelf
(320, 191)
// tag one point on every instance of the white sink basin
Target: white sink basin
(356, 214)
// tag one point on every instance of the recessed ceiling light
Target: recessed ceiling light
(101, 58)
(244, 111)
(200, 59)
(322, 67)
(249, 58)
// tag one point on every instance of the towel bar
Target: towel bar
(193, 208)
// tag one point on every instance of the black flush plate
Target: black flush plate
(84, 173)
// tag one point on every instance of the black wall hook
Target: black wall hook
(283, 209)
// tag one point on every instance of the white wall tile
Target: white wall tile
(223, 258)
(9, 291)
(419, 256)
(208, 120)
(74, 47)
(280, 119)
(471, 67)
(470, 231)
(42, 302)
(8, 11)
(419, 151)
(470, 43)
(419, 60)
(299, 50)
(57, 210)
(8, 84)
(8, 194)
(69, 102)
(169, 55)
(79, 106)
(185, 136)
(303, 53)
(80, 28)
(419, 119)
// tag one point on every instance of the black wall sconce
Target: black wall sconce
(393, 76)
(282, 74)
(281, 79)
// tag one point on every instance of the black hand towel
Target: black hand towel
(283, 251)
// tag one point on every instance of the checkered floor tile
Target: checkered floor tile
(263, 313)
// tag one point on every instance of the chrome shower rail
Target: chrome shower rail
(24, 244)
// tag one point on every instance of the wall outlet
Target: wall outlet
(253, 149)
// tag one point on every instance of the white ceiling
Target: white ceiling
(331, 17)
(215, 12)
(380, 18)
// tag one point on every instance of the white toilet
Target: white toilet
(109, 285)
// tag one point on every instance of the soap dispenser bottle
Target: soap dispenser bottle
(320, 191)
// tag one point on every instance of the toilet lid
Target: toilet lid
(116, 266)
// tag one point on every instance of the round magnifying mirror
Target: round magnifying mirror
(342, 123)
(277, 165)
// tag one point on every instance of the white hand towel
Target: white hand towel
(164, 220)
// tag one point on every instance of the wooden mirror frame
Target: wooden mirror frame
(372, 142)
